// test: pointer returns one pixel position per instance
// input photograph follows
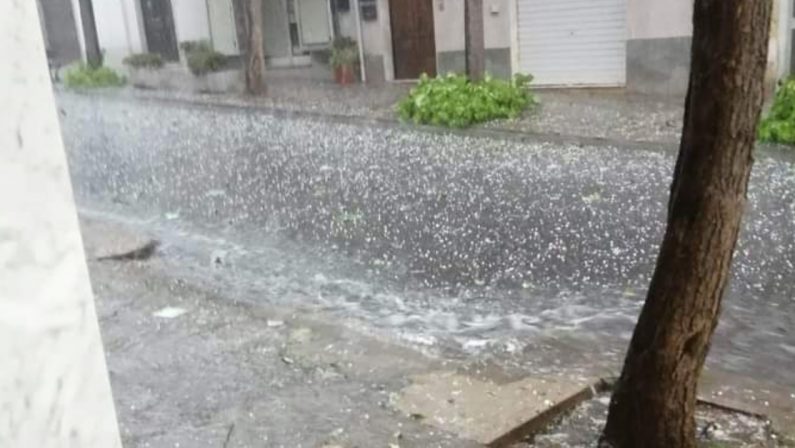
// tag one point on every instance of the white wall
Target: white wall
(497, 23)
(121, 32)
(448, 21)
(373, 36)
(135, 25)
(654, 19)
(651, 19)
(372, 30)
(118, 29)
(448, 25)
(223, 26)
(190, 20)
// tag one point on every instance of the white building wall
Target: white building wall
(448, 20)
(121, 31)
(191, 20)
(222, 26)
(448, 25)
(118, 30)
(497, 23)
(372, 35)
(135, 25)
(651, 19)
(661, 20)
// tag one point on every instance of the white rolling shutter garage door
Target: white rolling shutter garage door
(573, 42)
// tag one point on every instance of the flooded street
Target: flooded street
(471, 246)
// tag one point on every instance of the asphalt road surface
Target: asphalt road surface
(475, 246)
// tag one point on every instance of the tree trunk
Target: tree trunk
(654, 401)
(473, 34)
(255, 51)
(93, 53)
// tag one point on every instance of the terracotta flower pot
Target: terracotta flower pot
(344, 75)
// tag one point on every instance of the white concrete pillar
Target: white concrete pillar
(54, 388)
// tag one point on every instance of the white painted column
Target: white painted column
(784, 25)
(359, 39)
(54, 388)
(81, 39)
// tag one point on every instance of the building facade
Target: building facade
(640, 45)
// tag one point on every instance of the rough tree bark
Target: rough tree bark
(93, 53)
(255, 51)
(654, 401)
(473, 35)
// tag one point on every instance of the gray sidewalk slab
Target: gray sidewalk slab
(588, 113)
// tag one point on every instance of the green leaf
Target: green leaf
(452, 100)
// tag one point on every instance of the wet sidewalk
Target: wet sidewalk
(196, 362)
(610, 114)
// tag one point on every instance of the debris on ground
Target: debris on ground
(716, 428)
(486, 411)
(218, 258)
(139, 253)
(169, 312)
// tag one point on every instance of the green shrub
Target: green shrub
(203, 62)
(85, 76)
(144, 60)
(344, 51)
(344, 56)
(201, 57)
(779, 124)
(190, 46)
(454, 101)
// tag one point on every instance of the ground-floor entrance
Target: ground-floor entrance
(159, 28)
(572, 42)
(413, 40)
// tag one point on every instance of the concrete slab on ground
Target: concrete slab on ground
(484, 411)
(114, 240)
(750, 396)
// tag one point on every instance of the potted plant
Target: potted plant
(344, 57)
(149, 61)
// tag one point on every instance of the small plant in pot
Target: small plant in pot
(143, 61)
(344, 58)
(201, 58)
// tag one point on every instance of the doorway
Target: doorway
(413, 41)
(159, 28)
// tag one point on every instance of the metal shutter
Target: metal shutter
(573, 42)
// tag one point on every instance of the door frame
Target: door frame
(172, 26)
(513, 11)
(786, 27)
(385, 21)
